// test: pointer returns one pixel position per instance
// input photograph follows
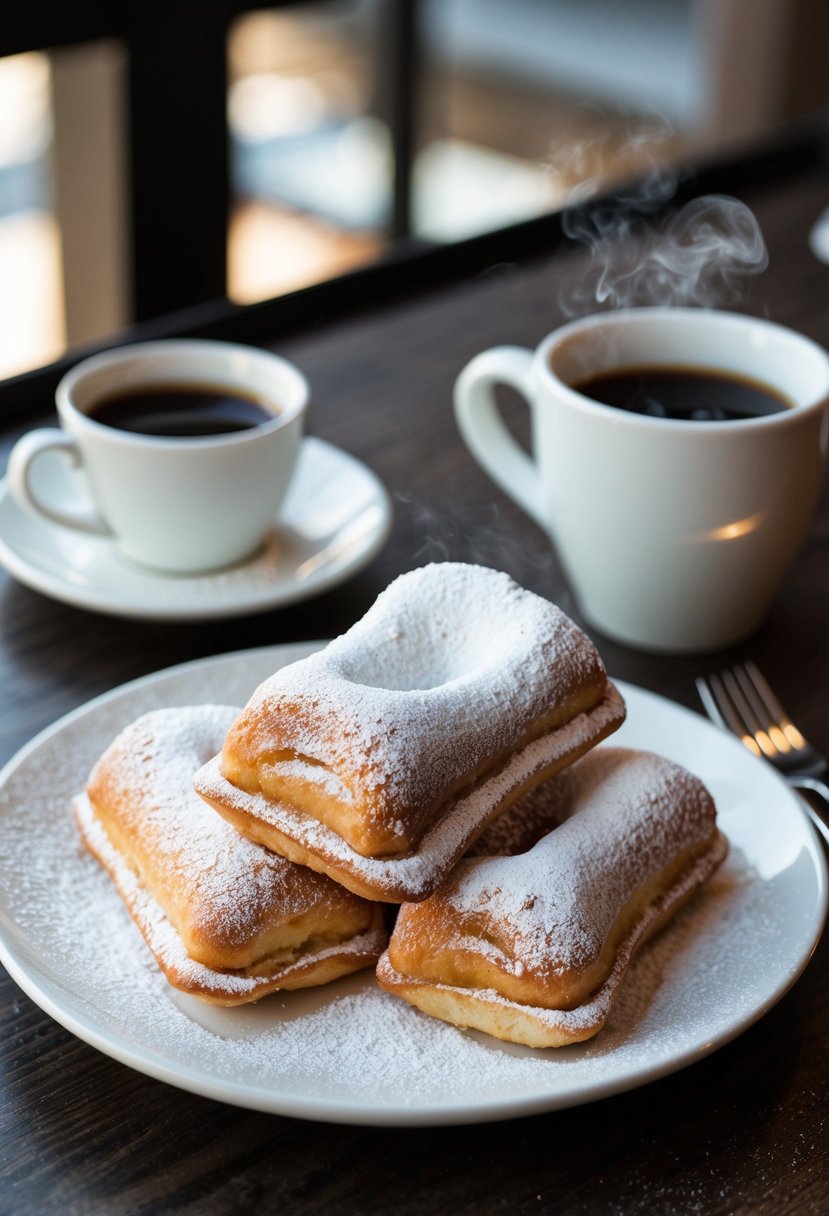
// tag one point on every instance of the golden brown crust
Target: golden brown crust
(453, 671)
(226, 920)
(535, 945)
(303, 839)
(348, 801)
(535, 1025)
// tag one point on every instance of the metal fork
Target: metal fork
(740, 700)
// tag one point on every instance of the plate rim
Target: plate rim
(199, 607)
(149, 1062)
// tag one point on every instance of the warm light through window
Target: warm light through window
(31, 292)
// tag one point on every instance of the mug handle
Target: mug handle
(486, 434)
(21, 461)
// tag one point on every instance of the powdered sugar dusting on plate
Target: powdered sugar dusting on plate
(350, 1051)
(350, 1037)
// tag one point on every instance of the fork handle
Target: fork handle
(817, 787)
(822, 790)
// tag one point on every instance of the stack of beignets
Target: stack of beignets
(460, 716)
(381, 758)
(226, 919)
(532, 948)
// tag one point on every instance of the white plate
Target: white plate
(335, 518)
(349, 1052)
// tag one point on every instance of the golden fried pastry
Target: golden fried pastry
(226, 920)
(379, 759)
(532, 948)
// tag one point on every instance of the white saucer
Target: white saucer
(336, 517)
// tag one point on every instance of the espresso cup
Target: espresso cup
(178, 503)
(673, 535)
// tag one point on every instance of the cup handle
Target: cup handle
(21, 462)
(486, 434)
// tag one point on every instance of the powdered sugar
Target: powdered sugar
(167, 946)
(229, 898)
(329, 783)
(147, 772)
(592, 1014)
(553, 907)
(453, 666)
(412, 877)
(349, 1051)
(351, 1042)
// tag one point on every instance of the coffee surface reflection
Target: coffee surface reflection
(183, 411)
(683, 394)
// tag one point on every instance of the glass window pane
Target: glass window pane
(310, 157)
(524, 103)
(31, 296)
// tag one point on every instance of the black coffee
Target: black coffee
(684, 394)
(183, 411)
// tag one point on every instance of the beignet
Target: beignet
(399, 741)
(532, 948)
(227, 920)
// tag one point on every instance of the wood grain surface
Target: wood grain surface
(745, 1130)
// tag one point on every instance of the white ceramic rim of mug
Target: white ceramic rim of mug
(183, 348)
(694, 316)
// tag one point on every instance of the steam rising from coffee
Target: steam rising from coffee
(698, 255)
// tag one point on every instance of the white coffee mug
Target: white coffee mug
(674, 535)
(180, 505)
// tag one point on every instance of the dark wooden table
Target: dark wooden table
(744, 1130)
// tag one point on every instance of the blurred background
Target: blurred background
(156, 156)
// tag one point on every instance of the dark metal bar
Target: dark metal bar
(179, 156)
(399, 62)
(54, 23)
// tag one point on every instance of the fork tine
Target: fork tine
(775, 710)
(709, 702)
(766, 714)
(726, 695)
(761, 709)
(752, 723)
(724, 709)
